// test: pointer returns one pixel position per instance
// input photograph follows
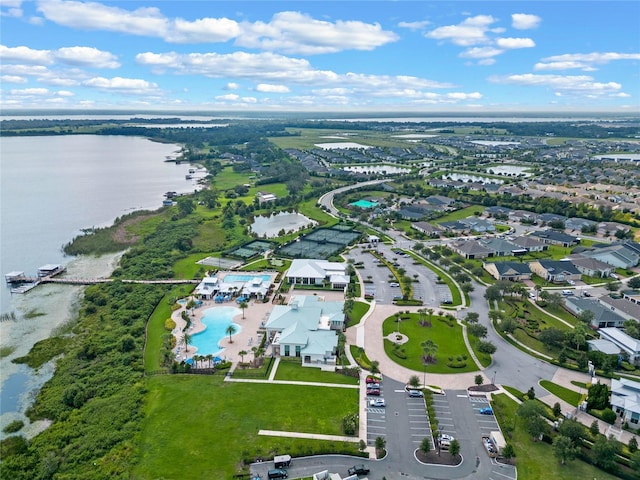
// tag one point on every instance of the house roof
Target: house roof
(426, 227)
(512, 268)
(604, 346)
(621, 251)
(618, 336)
(556, 267)
(320, 343)
(527, 241)
(589, 263)
(600, 312)
(555, 236)
(500, 245)
(471, 247)
(629, 308)
(626, 394)
(314, 268)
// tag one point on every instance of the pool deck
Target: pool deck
(255, 314)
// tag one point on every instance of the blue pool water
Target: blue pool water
(216, 321)
(364, 204)
(232, 277)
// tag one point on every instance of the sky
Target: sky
(321, 56)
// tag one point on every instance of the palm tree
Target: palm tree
(210, 359)
(243, 305)
(430, 312)
(186, 340)
(430, 349)
(242, 353)
(231, 329)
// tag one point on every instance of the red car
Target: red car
(373, 391)
(371, 379)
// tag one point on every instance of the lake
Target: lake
(50, 189)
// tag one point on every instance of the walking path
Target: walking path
(313, 436)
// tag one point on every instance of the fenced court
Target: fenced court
(321, 243)
(251, 249)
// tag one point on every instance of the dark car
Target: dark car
(277, 473)
(358, 470)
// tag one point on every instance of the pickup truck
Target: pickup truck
(358, 470)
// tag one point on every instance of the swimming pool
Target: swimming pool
(216, 320)
(232, 278)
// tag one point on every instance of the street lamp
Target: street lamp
(493, 382)
(424, 377)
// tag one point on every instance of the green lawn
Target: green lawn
(462, 213)
(535, 460)
(290, 370)
(358, 311)
(448, 339)
(570, 396)
(201, 427)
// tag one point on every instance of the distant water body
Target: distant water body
(50, 189)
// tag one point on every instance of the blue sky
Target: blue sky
(343, 56)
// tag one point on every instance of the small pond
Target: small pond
(509, 170)
(464, 177)
(272, 225)
(385, 169)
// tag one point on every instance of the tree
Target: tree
(635, 461)
(425, 445)
(531, 393)
(633, 444)
(231, 329)
(472, 317)
(586, 317)
(486, 347)
(380, 444)
(242, 306)
(186, 341)
(594, 429)
(551, 337)
(454, 447)
(242, 353)
(579, 334)
(574, 430)
(634, 283)
(430, 349)
(185, 206)
(479, 380)
(508, 452)
(557, 409)
(375, 364)
(477, 330)
(564, 449)
(613, 286)
(414, 381)
(605, 451)
(508, 325)
(598, 396)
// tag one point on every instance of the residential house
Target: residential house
(264, 197)
(441, 202)
(307, 271)
(502, 248)
(547, 218)
(427, 228)
(471, 249)
(553, 237)
(623, 307)
(591, 267)
(523, 216)
(513, 271)
(306, 328)
(479, 225)
(530, 244)
(602, 316)
(618, 255)
(555, 271)
(498, 212)
(625, 400)
(623, 342)
(576, 223)
(455, 226)
(611, 228)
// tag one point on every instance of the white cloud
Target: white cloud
(298, 33)
(86, 57)
(13, 79)
(25, 54)
(414, 25)
(228, 96)
(80, 56)
(29, 91)
(203, 30)
(65, 93)
(122, 85)
(583, 85)
(481, 52)
(232, 86)
(268, 88)
(288, 32)
(472, 31)
(511, 43)
(146, 21)
(525, 21)
(583, 61)
(236, 99)
(10, 8)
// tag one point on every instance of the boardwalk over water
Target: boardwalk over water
(28, 283)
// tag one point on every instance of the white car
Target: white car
(613, 275)
(445, 439)
(394, 284)
(377, 402)
(571, 282)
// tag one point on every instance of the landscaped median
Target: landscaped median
(441, 344)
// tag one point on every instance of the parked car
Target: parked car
(416, 393)
(372, 379)
(374, 385)
(373, 391)
(358, 470)
(486, 411)
(571, 282)
(394, 284)
(397, 297)
(586, 294)
(377, 402)
(277, 473)
(613, 275)
(445, 439)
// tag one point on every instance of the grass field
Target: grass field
(570, 396)
(535, 460)
(290, 370)
(359, 309)
(202, 427)
(448, 339)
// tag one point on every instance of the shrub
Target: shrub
(17, 425)
(609, 416)
(169, 324)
